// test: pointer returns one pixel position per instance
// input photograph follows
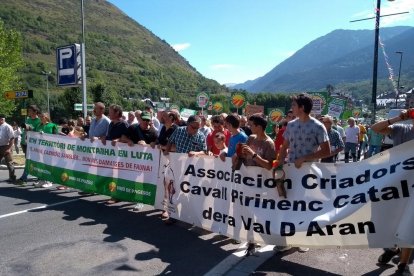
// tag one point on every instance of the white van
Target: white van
(388, 143)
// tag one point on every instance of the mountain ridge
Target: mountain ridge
(305, 62)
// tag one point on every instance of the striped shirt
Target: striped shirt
(335, 139)
(185, 143)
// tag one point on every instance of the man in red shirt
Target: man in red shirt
(217, 123)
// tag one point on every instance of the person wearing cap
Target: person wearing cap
(143, 133)
(352, 140)
(6, 147)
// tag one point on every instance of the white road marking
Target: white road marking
(37, 208)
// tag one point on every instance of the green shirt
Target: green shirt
(49, 128)
(33, 123)
(375, 138)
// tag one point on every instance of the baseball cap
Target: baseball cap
(145, 115)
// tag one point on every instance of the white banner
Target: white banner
(364, 204)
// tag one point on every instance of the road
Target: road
(51, 232)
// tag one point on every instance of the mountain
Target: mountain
(341, 56)
(122, 57)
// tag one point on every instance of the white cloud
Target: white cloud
(181, 46)
(222, 66)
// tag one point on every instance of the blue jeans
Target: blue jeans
(350, 147)
(373, 150)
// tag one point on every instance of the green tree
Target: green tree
(11, 60)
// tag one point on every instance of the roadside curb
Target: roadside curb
(4, 167)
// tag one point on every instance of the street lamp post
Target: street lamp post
(47, 90)
(398, 81)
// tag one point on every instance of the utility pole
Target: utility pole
(375, 69)
(84, 106)
(47, 91)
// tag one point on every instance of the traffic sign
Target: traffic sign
(18, 94)
(78, 107)
(68, 62)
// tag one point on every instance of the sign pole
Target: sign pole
(83, 64)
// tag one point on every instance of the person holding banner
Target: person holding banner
(399, 133)
(31, 123)
(99, 124)
(259, 150)
(218, 126)
(46, 126)
(188, 139)
(117, 132)
(232, 123)
(306, 138)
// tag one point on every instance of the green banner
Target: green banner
(118, 188)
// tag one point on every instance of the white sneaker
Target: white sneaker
(138, 207)
(47, 185)
(37, 184)
(303, 249)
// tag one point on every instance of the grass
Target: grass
(19, 159)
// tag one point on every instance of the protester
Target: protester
(167, 129)
(31, 123)
(17, 132)
(154, 121)
(399, 133)
(232, 123)
(141, 134)
(244, 126)
(46, 126)
(306, 139)
(186, 139)
(259, 150)
(218, 126)
(279, 137)
(352, 140)
(6, 147)
(335, 140)
(117, 132)
(375, 142)
(131, 118)
(100, 123)
(361, 140)
(205, 128)
(87, 125)
(220, 143)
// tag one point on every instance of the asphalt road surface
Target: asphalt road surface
(52, 232)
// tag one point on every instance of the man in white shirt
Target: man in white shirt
(352, 140)
(6, 144)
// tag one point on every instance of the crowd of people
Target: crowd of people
(298, 138)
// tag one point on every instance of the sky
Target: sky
(232, 41)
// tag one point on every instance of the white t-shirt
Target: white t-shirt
(352, 134)
(6, 133)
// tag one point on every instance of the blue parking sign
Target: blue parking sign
(68, 63)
